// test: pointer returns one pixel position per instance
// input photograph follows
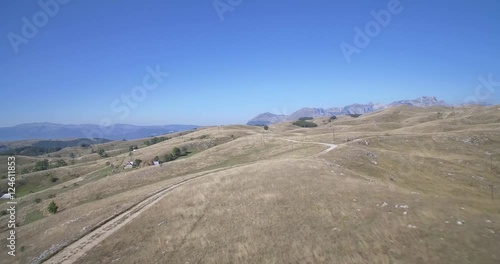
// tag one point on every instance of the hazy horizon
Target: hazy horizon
(207, 63)
(283, 111)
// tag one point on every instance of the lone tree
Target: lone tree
(176, 152)
(52, 207)
(184, 151)
(266, 127)
(102, 153)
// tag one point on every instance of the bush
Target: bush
(38, 200)
(154, 140)
(137, 162)
(54, 179)
(266, 128)
(354, 115)
(305, 118)
(168, 157)
(41, 165)
(176, 152)
(332, 118)
(184, 151)
(52, 207)
(302, 123)
(102, 153)
(61, 163)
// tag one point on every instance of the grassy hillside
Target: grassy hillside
(402, 185)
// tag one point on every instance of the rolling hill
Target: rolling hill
(401, 185)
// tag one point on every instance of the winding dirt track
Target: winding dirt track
(78, 248)
(330, 146)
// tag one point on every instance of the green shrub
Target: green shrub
(305, 118)
(61, 163)
(102, 153)
(41, 165)
(266, 128)
(176, 152)
(184, 151)
(52, 207)
(302, 123)
(137, 162)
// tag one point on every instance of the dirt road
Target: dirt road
(74, 250)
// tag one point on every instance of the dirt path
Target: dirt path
(330, 146)
(78, 248)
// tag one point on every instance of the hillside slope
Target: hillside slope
(404, 185)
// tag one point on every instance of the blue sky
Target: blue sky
(265, 56)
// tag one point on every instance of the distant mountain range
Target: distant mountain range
(61, 131)
(269, 118)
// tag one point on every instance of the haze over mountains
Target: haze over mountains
(60, 131)
(270, 118)
(124, 131)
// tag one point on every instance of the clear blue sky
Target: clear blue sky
(265, 56)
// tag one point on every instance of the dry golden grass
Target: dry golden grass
(270, 201)
(299, 211)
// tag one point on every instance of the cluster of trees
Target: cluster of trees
(332, 118)
(354, 115)
(305, 118)
(176, 153)
(41, 165)
(43, 147)
(303, 123)
(155, 140)
(44, 164)
(30, 151)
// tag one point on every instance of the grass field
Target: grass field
(402, 185)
